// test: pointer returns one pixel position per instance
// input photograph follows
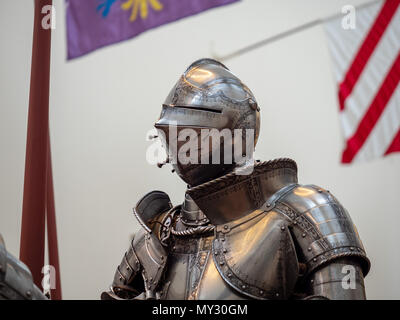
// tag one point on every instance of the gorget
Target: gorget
(233, 196)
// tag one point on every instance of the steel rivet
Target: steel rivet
(315, 259)
(216, 253)
(277, 294)
(303, 235)
(226, 227)
(309, 249)
(229, 274)
(282, 228)
(243, 287)
(225, 251)
(221, 263)
(261, 292)
(28, 294)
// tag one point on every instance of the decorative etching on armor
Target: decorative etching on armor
(196, 264)
(328, 251)
(196, 273)
(255, 192)
(301, 221)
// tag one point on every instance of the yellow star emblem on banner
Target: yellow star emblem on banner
(141, 6)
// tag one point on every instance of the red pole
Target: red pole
(52, 228)
(34, 198)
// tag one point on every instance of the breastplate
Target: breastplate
(253, 257)
(192, 274)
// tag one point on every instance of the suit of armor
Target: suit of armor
(260, 235)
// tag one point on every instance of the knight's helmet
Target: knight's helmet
(207, 96)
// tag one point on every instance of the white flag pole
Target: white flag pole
(281, 35)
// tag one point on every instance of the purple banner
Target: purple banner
(92, 24)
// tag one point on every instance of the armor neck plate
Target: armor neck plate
(232, 196)
(191, 214)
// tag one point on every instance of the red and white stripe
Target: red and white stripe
(367, 68)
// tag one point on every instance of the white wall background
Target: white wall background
(103, 104)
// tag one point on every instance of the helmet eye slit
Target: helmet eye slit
(199, 108)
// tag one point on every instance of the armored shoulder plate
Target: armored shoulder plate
(149, 248)
(146, 254)
(150, 207)
(321, 227)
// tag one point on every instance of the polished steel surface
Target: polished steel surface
(150, 206)
(209, 96)
(232, 196)
(214, 287)
(328, 281)
(304, 234)
(15, 278)
(256, 256)
(191, 214)
(322, 227)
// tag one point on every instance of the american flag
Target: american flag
(366, 63)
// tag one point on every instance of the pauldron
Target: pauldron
(147, 254)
